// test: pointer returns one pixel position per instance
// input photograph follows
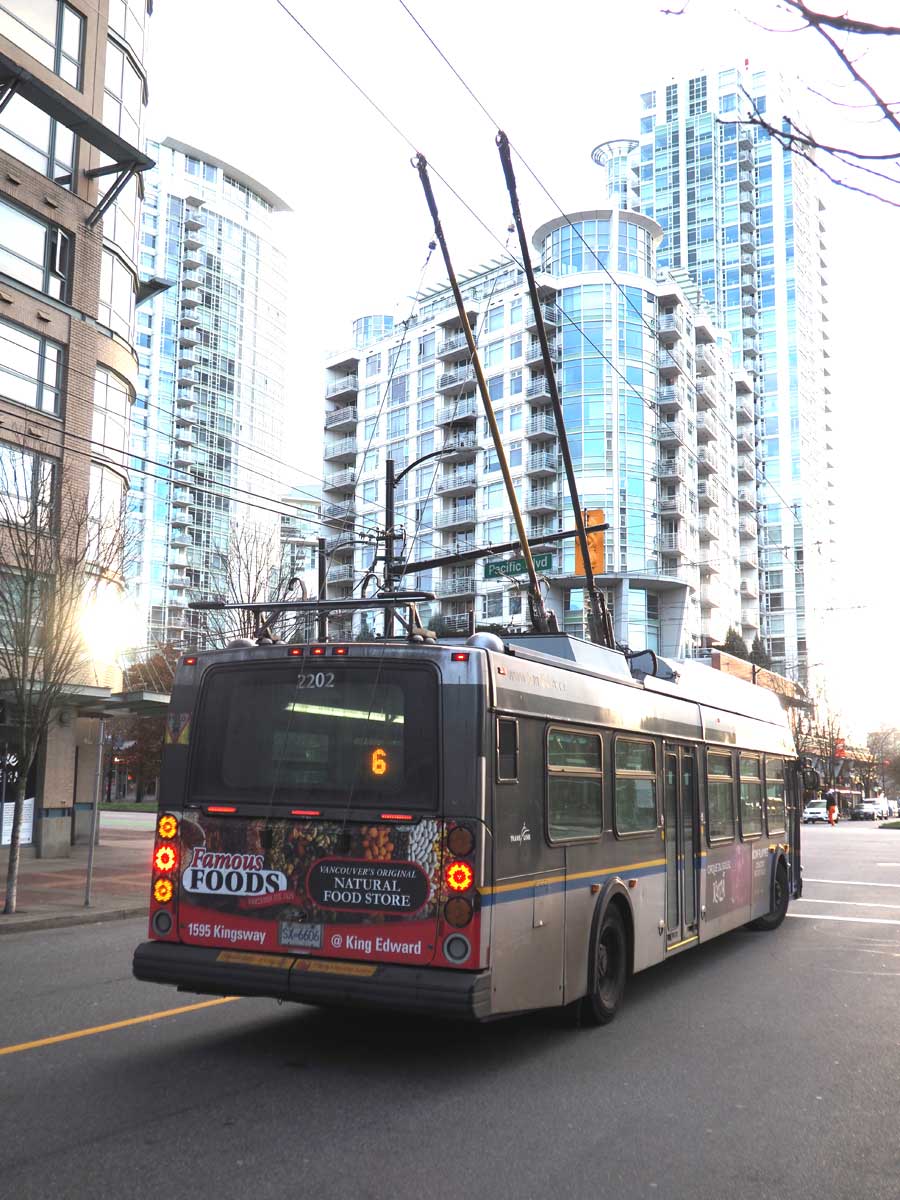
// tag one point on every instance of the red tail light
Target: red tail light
(165, 859)
(459, 876)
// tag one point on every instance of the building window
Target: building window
(116, 306)
(373, 365)
(112, 407)
(27, 487)
(35, 253)
(34, 138)
(494, 319)
(30, 369)
(574, 785)
(49, 31)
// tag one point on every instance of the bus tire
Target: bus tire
(779, 901)
(607, 969)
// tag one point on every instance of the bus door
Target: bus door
(682, 844)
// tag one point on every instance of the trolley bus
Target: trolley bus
(473, 828)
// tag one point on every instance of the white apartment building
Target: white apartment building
(657, 423)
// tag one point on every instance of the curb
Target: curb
(89, 917)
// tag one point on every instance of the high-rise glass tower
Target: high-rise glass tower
(744, 219)
(649, 399)
(209, 419)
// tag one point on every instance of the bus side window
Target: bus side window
(635, 796)
(719, 797)
(750, 769)
(507, 750)
(775, 795)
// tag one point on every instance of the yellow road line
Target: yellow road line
(80, 1033)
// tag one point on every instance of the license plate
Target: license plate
(299, 936)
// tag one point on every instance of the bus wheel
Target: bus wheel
(779, 909)
(607, 970)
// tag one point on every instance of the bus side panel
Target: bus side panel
(528, 897)
(725, 887)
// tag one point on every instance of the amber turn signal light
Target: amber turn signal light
(165, 858)
(163, 891)
(458, 911)
(167, 826)
(460, 841)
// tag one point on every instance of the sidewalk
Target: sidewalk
(51, 890)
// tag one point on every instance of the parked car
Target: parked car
(870, 810)
(893, 808)
(815, 810)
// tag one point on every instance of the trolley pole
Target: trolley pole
(390, 483)
(321, 616)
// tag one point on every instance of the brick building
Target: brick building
(72, 95)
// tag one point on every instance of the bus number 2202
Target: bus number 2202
(320, 679)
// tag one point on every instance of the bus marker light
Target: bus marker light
(318, 651)
(595, 888)
(339, 650)
(163, 891)
(458, 912)
(162, 922)
(460, 841)
(295, 652)
(167, 827)
(459, 657)
(190, 661)
(306, 812)
(395, 816)
(165, 858)
(632, 883)
(221, 808)
(459, 876)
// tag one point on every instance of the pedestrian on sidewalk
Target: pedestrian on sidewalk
(831, 802)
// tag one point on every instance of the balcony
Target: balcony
(744, 406)
(707, 360)
(342, 451)
(346, 385)
(190, 300)
(542, 462)
(671, 395)
(707, 426)
(465, 409)
(748, 281)
(341, 481)
(670, 362)
(180, 516)
(453, 347)
(339, 512)
(541, 528)
(193, 255)
(746, 497)
(671, 506)
(709, 566)
(457, 483)
(708, 527)
(538, 390)
(746, 436)
(457, 622)
(670, 328)
(463, 445)
(341, 574)
(533, 352)
(455, 585)
(542, 426)
(341, 418)
(339, 545)
(192, 278)
(746, 467)
(186, 357)
(747, 527)
(748, 240)
(745, 181)
(748, 555)
(707, 393)
(671, 432)
(184, 399)
(750, 347)
(456, 517)
(708, 494)
(549, 313)
(189, 319)
(671, 543)
(193, 221)
(184, 377)
(455, 379)
(672, 467)
(187, 337)
(183, 456)
(707, 459)
(749, 587)
(542, 500)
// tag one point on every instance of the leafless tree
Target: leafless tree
(61, 556)
(867, 162)
(884, 744)
(253, 568)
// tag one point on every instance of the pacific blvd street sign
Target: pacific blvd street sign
(499, 568)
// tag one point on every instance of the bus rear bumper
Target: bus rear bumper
(462, 994)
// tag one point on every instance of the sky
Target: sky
(241, 79)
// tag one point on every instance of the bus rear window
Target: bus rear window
(352, 735)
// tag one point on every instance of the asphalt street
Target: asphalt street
(760, 1065)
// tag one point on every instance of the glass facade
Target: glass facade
(212, 352)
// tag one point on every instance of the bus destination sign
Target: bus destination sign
(499, 568)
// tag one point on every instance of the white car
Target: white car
(871, 810)
(816, 810)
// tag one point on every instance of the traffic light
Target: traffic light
(596, 544)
